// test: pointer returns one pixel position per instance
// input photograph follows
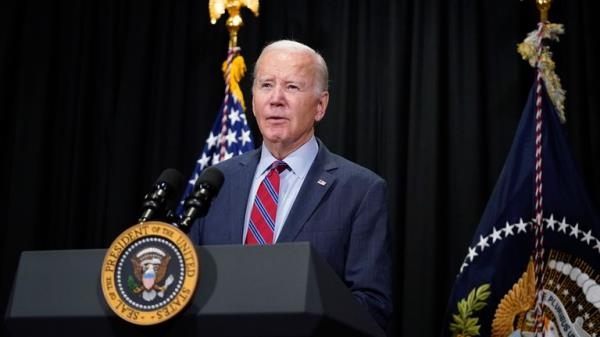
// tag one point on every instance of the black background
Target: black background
(98, 97)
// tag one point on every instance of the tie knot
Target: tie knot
(279, 166)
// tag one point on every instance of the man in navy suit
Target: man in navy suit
(336, 205)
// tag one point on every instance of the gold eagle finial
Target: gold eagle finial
(216, 8)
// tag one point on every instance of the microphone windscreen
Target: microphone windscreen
(213, 177)
(175, 183)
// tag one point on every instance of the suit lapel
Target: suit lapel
(240, 189)
(316, 184)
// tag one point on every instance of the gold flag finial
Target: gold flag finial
(217, 8)
(543, 6)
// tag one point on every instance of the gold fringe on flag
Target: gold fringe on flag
(237, 71)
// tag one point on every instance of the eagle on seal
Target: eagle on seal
(149, 268)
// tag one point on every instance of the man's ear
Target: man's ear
(322, 102)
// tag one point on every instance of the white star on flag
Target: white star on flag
(496, 235)
(551, 222)
(212, 140)
(472, 254)
(234, 116)
(227, 155)
(562, 227)
(587, 237)
(231, 137)
(597, 246)
(508, 229)
(193, 179)
(483, 242)
(522, 226)
(575, 231)
(203, 161)
(245, 137)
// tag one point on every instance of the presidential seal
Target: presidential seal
(571, 301)
(149, 273)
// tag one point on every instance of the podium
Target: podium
(275, 290)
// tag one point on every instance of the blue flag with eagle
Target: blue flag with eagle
(230, 135)
(495, 292)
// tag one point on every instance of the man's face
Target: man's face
(285, 100)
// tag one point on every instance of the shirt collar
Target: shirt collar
(298, 161)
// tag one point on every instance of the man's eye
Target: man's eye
(293, 87)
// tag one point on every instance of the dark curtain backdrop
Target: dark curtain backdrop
(98, 97)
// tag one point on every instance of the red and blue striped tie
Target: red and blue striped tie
(261, 226)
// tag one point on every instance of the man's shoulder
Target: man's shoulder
(350, 170)
(234, 163)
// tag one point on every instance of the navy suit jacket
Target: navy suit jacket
(345, 220)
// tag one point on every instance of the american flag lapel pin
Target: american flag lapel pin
(321, 182)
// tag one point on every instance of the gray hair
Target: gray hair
(290, 45)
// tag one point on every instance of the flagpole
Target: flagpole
(540, 57)
(543, 7)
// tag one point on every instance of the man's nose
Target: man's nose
(278, 95)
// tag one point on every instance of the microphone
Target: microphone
(163, 197)
(197, 203)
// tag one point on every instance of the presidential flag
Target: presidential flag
(495, 293)
(230, 135)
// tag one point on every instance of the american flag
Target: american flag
(230, 135)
